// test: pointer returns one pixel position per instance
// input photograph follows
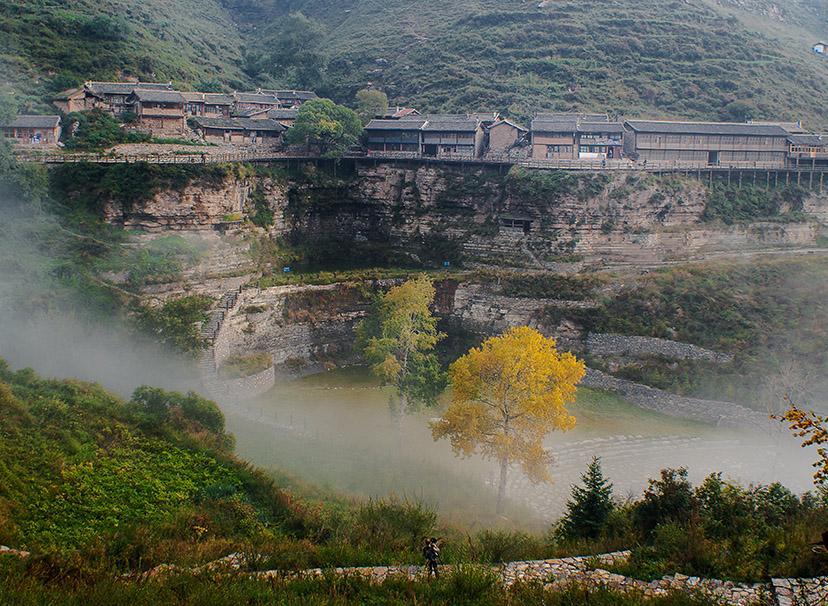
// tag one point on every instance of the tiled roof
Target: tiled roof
(446, 122)
(256, 98)
(395, 124)
(158, 96)
(30, 121)
(282, 114)
(600, 127)
(706, 128)
(239, 124)
(401, 112)
(125, 88)
(811, 140)
(568, 116)
(209, 98)
(510, 123)
(290, 95)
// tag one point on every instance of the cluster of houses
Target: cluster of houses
(564, 137)
(245, 118)
(261, 117)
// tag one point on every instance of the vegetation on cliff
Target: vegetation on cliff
(770, 314)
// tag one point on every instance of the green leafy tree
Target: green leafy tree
(175, 324)
(398, 340)
(325, 127)
(371, 103)
(590, 505)
(297, 51)
(669, 499)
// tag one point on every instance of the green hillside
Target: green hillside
(646, 58)
(718, 59)
(50, 45)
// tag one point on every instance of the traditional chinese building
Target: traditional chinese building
(215, 105)
(33, 130)
(706, 143)
(240, 131)
(504, 135)
(159, 111)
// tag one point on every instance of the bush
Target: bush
(176, 323)
(236, 367)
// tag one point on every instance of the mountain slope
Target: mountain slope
(679, 58)
(49, 45)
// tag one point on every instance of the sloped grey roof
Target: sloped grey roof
(239, 124)
(437, 123)
(569, 116)
(256, 98)
(158, 96)
(600, 127)
(510, 123)
(209, 98)
(554, 126)
(395, 124)
(31, 121)
(813, 140)
(125, 88)
(706, 128)
(290, 95)
(282, 114)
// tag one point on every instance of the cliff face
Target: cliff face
(430, 214)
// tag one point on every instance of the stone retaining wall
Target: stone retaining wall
(723, 414)
(582, 571)
(244, 388)
(599, 344)
(801, 592)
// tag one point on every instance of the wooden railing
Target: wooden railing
(210, 157)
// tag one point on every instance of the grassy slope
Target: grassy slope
(186, 41)
(652, 58)
(76, 467)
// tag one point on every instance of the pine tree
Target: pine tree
(590, 505)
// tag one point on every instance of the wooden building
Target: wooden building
(255, 101)
(73, 100)
(240, 131)
(807, 150)
(114, 96)
(503, 136)
(450, 135)
(289, 99)
(214, 105)
(394, 136)
(574, 136)
(600, 140)
(33, 130)
(158, 111)
(706, 143)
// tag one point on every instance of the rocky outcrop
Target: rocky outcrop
(434, 213)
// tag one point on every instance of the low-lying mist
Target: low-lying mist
(50, 322)
(334, 430)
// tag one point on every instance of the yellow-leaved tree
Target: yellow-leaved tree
(507, 396)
